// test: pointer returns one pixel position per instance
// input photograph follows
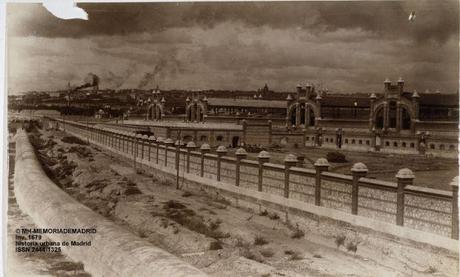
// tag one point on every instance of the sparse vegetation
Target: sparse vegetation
(222, 200)
(263, 213)
(352, 246)
(241, 243)
(298, 233)
(142, 234)
(267, 253)
(73, 140)
(336, 157)
(178, 212)
(166, 183)
(296, 256)
(259, 240)
(214, 225)
(187, 194)
(215, 245)
(172, 204)
(273, 216)
(340, 240)
(250, 254)
(431, 270)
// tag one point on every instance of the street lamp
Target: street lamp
(355, 104)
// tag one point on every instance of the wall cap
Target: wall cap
(191, 144)
(241, 152)
(359, 168)
(205, 146)
(322, 162)
(263, 155)
(405, 173)
(290, 158)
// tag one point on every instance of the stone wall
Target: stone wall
(258, 134)
(426, 209)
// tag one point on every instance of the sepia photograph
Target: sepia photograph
(227, 139)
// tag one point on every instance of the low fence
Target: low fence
(114, 251)
(400, 202)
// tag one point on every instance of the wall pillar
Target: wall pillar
(263, 157)
(289, 161)
(158, 142)
(142, 147)
(405, 177)
(221, 151)
(205, 148)
(168, 142)
(240, 154)
(300, 160)
(190, 147)
(357, 171)
(454, 231)
(320, 165)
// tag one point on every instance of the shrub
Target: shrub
(273, 216)
(241, 243)
(288, 252)
(296, 256)
(186, 194)
(263, 213)
(73, 140)
(352, 246)
(248, 254)
(317, 256)
(259, 240)
(215, 245)
(298, 233)
(214, 225)
(166, 183)
(340, 240)
(267, 253)
(336, 157)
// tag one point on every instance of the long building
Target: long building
(394, 120)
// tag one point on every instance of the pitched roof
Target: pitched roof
(246, 103)
(346, 100)
(432, 99)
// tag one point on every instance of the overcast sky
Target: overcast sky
(343, 46)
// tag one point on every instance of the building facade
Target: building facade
(393, 120)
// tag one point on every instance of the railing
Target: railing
(400, 203)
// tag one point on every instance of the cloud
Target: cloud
(237, 46)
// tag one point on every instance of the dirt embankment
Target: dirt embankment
(217, 238)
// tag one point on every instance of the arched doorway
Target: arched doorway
(379, 118)
(235, 141)
(405, 119)
(392, 110)
(312, 118)
(306, 115)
